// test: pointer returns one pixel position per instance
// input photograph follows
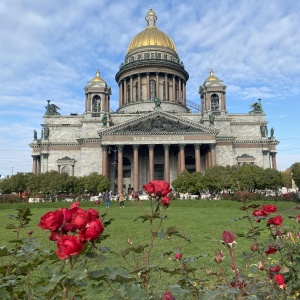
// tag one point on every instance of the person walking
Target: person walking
(121, 199)
(106, 198)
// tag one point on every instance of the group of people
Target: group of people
(107, 197)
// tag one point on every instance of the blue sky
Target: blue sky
(50, 49)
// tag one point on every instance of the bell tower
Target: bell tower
(97, 97)
(213, 96)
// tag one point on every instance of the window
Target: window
(136, 88)
(159, 171)
(152, 89)
(214, 102)
(176, 92)
(96, 106)
(128, 93)
(165, 56)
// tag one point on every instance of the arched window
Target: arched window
(214, 102)
(96, 103)
(152, 89)
(65, 169)
(96, 106)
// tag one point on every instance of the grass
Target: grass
(202, 221)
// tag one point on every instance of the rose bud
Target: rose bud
(254, 247)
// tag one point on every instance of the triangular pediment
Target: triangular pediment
(159, 122)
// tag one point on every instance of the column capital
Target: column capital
(166, 146)
(197, 146)
(135, 147)
(151, 146)
(212, 146)
(120, 148)
(35, 157)
(182, 146)
(45, 155)
(104, 147)
(273, 154)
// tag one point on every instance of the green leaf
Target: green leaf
(3, 251)
(177, 289)
(10, 226)
(4, 295)
(211, 295)
(97, 274)
(78, 273)
(162, 235)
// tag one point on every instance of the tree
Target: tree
(287, 178)
(295, 170)
(272, 179)
(249, 177)
(219, 178)
(96, 183)
(187, 182)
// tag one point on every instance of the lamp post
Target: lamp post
(114, 163)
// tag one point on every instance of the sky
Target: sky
(51, 49)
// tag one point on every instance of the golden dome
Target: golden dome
(98, 78)
(212, 76)
(151, 36)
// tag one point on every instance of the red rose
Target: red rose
(159, 188)
(269, 208)
(149, 188)
(92, 214)
(168, 296)
(272, 250)
(259, 214)
(228, 237)
(68, 214)
(79, 219)
(280, 280)
(68, 246)
(165, 201)
(92, 232)
(274, 270)
(275, 221)
(52, 220)
(178, 256)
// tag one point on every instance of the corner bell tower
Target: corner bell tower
(97, 96)
(213, 96)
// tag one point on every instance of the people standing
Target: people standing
(121, 199)
(106, 198)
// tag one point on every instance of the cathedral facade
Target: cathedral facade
(153, 134)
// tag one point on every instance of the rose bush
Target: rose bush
(269, 270)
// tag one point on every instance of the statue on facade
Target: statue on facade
(256, 108)
(211, 119)
(157, 102)
(51, 109)
(264, 130)
(104, 119)
(34, 134)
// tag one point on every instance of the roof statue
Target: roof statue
(272, 132)
(256, 108)
(51, 109)
(104, 119)
(34, 134)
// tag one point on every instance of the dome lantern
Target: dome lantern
(151, 18)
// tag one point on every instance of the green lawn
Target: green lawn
(202, 221)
